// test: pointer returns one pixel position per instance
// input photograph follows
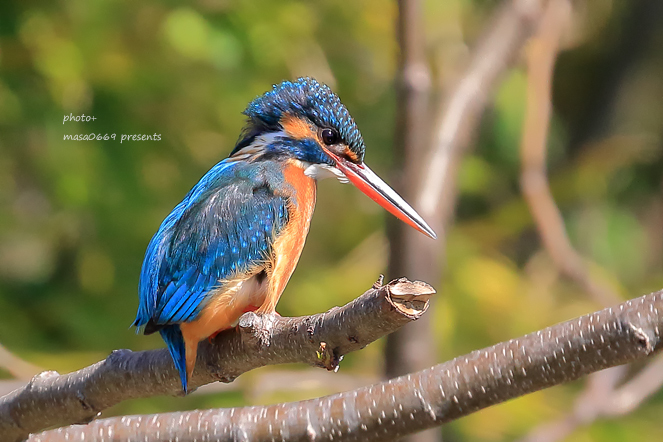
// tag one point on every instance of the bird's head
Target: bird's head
(304, 120)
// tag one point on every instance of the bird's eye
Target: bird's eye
(329, 136)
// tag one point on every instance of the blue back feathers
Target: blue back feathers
(224, 226)
(304, 98)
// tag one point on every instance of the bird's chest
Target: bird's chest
(288, 244)
(300, 191)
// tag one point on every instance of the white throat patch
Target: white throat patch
(322, 171)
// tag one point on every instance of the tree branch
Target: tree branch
(321, 340)
(558, 354)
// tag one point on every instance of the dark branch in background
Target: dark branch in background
(601, 396)
(411, 348)
(320, 340)
(558, 354)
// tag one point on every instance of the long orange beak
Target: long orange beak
(372, 185)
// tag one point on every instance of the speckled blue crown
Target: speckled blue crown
(306, 97)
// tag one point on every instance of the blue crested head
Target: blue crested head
(310, 104)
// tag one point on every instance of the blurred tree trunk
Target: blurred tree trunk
(411, 348)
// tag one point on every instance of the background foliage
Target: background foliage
(76, 216)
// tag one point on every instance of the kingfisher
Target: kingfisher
(231, 245)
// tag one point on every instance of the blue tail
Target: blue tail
(173, 337)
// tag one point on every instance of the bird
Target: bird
(230, 246)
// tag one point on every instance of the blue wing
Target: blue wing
(224, 226)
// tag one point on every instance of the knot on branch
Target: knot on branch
(645, 338)
(257, 330)
(329, 357)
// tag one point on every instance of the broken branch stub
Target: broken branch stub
(411, 298)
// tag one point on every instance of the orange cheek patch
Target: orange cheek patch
(350, 154)
(297, 128)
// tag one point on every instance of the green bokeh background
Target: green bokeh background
(76, 216)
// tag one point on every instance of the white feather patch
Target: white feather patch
(257, 146)
(322, 171)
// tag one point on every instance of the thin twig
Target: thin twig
(602, 398)
(629, 396)
(16, 366)
(541, 55)
(558, 354)
(534, 181)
